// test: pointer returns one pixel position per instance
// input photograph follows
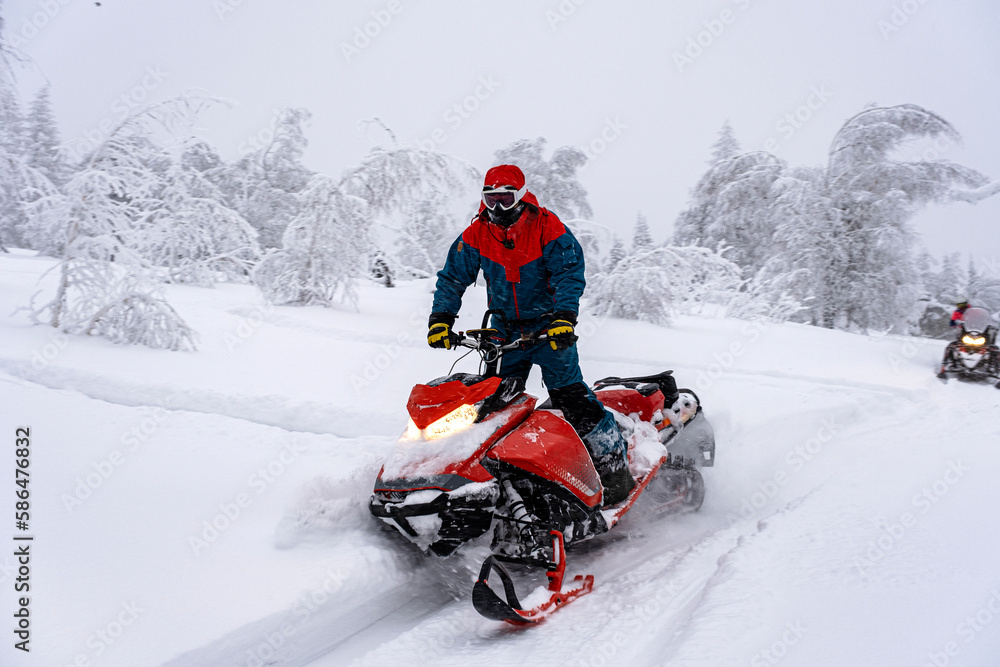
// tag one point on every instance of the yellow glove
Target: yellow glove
(561, 335)
(439, 335)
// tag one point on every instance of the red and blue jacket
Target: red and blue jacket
(534, 266)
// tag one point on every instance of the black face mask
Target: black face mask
(498, 216)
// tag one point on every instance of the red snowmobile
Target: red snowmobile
(479, 453)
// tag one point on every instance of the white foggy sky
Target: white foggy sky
(608, 61)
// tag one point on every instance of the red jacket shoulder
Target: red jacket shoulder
(552, 226)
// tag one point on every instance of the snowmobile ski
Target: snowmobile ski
(509, 608)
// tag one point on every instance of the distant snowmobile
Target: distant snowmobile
(974, 356)
(479, 454)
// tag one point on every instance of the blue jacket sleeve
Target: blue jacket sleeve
(460, 270)
(563, 259)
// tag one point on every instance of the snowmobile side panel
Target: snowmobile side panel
(630, 401)
(546, 445)
(614, 514)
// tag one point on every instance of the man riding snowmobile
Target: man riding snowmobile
(957, 316)
(534, 271)
(973, 353)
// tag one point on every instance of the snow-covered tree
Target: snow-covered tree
(730, 206)
(323, 250)
(553, 181)
(983, 288)
(427, 232)
(42, 150)
(393, 180)
(839, 239)
(615, 255)
(185, 228)
(726, 146)
(14, 175)
(263, 186)
(641, 236)
(653, 284)
(105, 286)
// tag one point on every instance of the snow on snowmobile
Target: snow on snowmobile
(479, 454)
(974, 355)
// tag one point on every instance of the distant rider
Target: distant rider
(533, 266)
(959, 314)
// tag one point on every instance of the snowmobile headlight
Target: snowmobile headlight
(412, 432)
(969, 340)
(454, 421)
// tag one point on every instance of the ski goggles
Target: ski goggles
(504, 197)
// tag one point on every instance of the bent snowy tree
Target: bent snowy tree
(840, 239)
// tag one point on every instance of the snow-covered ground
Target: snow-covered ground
(208, 508)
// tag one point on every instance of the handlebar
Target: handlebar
(476, 339)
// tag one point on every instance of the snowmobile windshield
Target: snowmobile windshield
(976, 319)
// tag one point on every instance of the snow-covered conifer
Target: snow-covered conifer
(641, 236)
(615, 255)
(323, 250)
(42, 150)
(726, 146)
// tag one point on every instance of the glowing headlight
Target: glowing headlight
(412, 432)
(454, 421)
(969, 340)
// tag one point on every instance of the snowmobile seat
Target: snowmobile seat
(645, 384)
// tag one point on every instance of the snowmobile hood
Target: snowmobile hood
(429, 403)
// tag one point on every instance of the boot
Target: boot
(615, 478)
(609, 452)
